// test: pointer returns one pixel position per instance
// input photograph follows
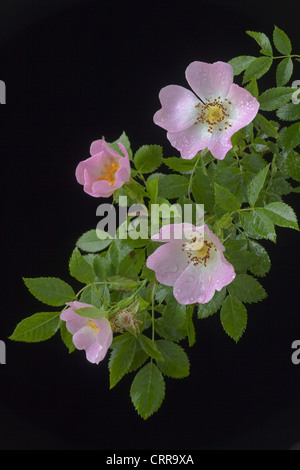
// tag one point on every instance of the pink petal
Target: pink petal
(101, 146)
(209, 81)
(168, 261)
(213, 238)
(84, 337)
(225, 274)
(194, 285)
(97, 146)
(220, 144)
(173, 232)
(190, 141)
(105, 335)
(74, 322)
(100, 189)
(92, 165)
(178, 110)
(95, 353)
(242, 110)
(94, 343)
(244, 105)
(123, 173)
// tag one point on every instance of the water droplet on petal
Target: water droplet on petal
(171, 269)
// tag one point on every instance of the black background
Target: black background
(77, 71)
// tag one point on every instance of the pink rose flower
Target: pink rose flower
(208, 118)
(94, 336)
(105, 171)
(193, 264)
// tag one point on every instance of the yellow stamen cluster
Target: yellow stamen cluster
(214, 114)
(109, 172)
(93, 325)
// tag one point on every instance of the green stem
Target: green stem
(152, 309)
(107, 283)
(242, 210)
(200, 155)
(285, 56)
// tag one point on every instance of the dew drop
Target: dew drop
(172, 269)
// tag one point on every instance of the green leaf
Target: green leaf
(266, 126)
(256, 184)
(117, 251)
(148, 158)
(50, 290)
(91, 243)
(80, 269)
(171, 186)
(289, 112)
(66, 337)
(90, 296)
(174, 314)
(290, 136)
(147, 391)
(282, 215)
(121, 359)
(38, 327)
(263, 41)
(258, 225)
(213, 306)
(162, 292)
(263, 264)
(91, 312)
(134, 192)
(176, 363)
(140, 357)
(282, 41)
(284, 71)
(252, 87)
(132, 263)
(247, 289)
(203, 191)
(240, 63)
(293, 165)
(274, 98)
(225, 199)
(123, 139)
(150, 347)
(152, 188)
(190, 327)
(257, 68)
(234, 317)
(180, 164)
(123, 284)
(99, 265)
(241, 260)
(253, 162)
(225, 221)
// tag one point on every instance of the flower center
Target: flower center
(199, 255)
(214, 114)
(109, 172)
(93, 325)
